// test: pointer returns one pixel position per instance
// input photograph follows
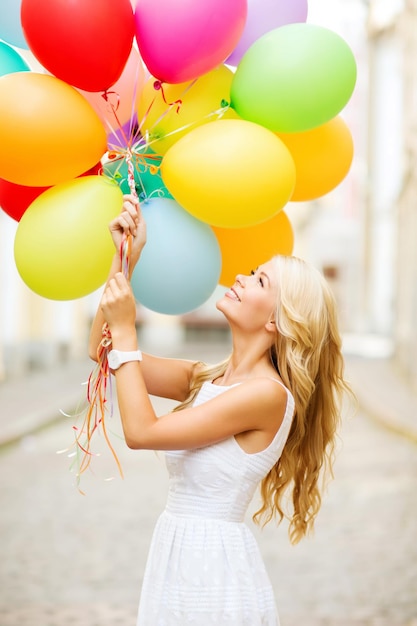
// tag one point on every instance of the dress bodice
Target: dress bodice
(219, 481)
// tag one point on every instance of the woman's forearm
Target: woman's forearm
(124, 225)
(97, 325)
(135, 407)
(136, 411)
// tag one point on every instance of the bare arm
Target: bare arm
(167, 378)
(98, 322)
(258, 404)
(126, 223)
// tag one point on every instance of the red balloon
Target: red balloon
(85, 43)
(15, 199)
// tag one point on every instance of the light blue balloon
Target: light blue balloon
(10, 23)
(180, 266)
(10, 60)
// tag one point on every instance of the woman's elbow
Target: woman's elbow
(132, 444)
(93, 356)
(92, 353)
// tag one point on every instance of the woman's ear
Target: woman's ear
(271, 326)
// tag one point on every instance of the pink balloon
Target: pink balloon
(180, 40)
(119, 103)
(266, 15)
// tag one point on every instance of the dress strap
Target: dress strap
(289, 394)
(279, 382)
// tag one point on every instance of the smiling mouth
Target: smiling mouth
(234, 294)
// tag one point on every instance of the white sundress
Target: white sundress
(204, 566)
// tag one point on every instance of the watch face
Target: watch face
(113, 359)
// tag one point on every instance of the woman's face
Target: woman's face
(251, 301)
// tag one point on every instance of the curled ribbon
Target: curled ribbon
(99, 387)
(159, 87)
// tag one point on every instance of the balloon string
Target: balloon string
(105, 95)
(99, 387)
(159, 87)
(130, 172)
(99, 381)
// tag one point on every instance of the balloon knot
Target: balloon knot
(158, 86)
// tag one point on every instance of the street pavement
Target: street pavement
(72, 559)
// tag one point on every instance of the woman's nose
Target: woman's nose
(240, 279)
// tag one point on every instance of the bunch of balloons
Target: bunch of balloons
(225, 112)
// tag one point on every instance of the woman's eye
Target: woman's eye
(260, 279)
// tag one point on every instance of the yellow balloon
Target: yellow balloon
(243, 249)
(230, 173)
(322, 158)
(63, 249)
(49, 133)
(171, 111)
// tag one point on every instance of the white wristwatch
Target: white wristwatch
(116, 358)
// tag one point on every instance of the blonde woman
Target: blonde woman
(265, 416)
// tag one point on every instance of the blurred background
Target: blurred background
(361, 235)
(68, 559)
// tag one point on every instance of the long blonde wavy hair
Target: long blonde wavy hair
(307, 356)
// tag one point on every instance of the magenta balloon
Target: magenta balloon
(182, 40)
(266, 15)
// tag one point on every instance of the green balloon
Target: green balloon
(294, 78)
(11, 61)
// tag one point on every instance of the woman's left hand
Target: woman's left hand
(118, 305)
(130, 221)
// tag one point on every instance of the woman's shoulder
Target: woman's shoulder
(267, 392)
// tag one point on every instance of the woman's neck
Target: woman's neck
(243, 366)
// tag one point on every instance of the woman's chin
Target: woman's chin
(220, 304)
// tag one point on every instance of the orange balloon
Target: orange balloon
(322, 158)
(48, 132)
(243, 249)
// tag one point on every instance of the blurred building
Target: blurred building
(390, 262)
(362, 235)
(404, 32)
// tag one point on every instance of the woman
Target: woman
(267, 415)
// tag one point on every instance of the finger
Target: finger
(120, 281)
(130, 206)
(119, 286)
(132, 220)
(130, 203)
(129, 197)
(125, 223)
(120, 224)
(132, 211)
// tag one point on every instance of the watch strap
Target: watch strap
(119, 357)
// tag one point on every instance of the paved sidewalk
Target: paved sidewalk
(72, 559)
(32, 402)
(383, 395)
